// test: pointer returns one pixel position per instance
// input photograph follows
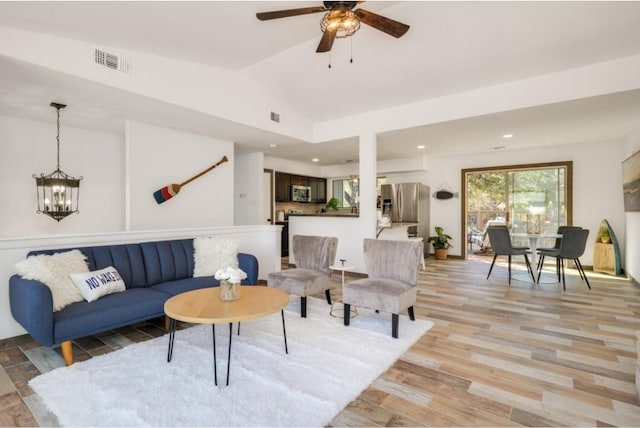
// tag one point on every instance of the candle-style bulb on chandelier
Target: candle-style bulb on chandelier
(58, 192)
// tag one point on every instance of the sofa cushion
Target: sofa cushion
(213, 253)
(53, 271)
(95, 284)
(167, 260)
(112, 311)
(126, 258)
(186, 284)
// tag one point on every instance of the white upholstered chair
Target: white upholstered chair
(313, 256)
(391, 285)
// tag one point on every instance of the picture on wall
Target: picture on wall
(631, 182)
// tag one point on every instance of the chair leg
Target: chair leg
(583, 272)
(394, 325)
(347, 313)
(327, 293)
(579, 270)
(492, 263)
(509, 257)
(540, 264)
(303, 306)
(564, 285)
(529, 268)
(412, 316)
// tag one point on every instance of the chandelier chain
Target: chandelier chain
(58, 135)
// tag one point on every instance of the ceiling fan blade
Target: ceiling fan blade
(265, 16)
(327, 40)
(389, 26)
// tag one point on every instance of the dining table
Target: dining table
(533, 242)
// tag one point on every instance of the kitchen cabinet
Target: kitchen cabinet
(299, 180)
(318, 190)
(284, 238)
(283, 187)
(284, 182)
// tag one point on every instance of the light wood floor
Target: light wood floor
(496, 356)
(502, 355)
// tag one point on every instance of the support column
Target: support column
(367, 175)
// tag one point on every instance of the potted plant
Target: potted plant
(333, 204)
(605, 237)
(440, 243)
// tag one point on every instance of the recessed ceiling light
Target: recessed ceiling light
(273, 145)
(507, 136)
(498, 147)
(420, 147)
(315, 160)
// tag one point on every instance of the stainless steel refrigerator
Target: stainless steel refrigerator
(408, 203)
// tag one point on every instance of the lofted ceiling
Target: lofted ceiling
(451, 47)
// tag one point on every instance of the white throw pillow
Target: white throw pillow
(53, 271)
(211, 254)
(93, 285)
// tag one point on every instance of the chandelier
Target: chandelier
(344, 22)
(57, 192)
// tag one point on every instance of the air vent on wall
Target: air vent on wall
(275, 116)
(111, 61)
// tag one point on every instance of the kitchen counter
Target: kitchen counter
(325, 215)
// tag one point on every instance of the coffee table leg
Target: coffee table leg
(284, 333)
(172, 335)
(229, 355)
(215, 367)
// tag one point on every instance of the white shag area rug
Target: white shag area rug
(328, 365)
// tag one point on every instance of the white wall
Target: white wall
(632, 220)
(159, 157)
(292, 167)
(248, 185)
(29, 147)
(597, 185)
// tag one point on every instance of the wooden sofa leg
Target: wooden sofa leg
(167, 323)
(67, 352)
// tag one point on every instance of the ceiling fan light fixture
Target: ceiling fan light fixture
(344, 22)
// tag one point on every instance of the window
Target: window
(347, 191)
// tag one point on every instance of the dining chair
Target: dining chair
(391, 282)
(501, 245)
(556, 246)
(572, 246)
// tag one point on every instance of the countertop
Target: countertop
(324, 215)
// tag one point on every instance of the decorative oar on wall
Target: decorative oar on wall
(168, 192)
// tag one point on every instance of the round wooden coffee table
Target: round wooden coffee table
(205, 307)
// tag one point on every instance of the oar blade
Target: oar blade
(166, 193)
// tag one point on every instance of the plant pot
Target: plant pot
(605, 239)
(441, 253)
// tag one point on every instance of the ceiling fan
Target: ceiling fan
(340, 21)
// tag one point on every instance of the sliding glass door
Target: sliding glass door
(532, 198)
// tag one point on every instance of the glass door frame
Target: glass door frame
(568, 165)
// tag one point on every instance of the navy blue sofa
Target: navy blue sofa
(152, 271)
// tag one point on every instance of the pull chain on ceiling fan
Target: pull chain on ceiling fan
(340, 21)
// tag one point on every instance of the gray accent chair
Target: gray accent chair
(501, 246)
(391, 285)
(572, 246)
(313, 256)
